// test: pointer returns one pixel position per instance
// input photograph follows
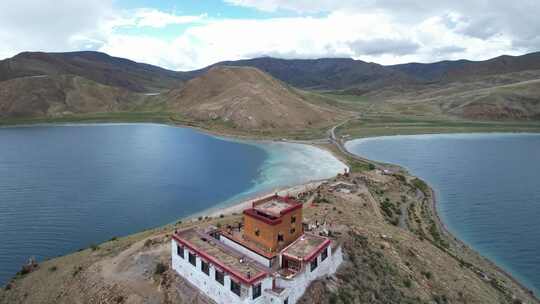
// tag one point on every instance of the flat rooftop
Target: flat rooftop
(221, 255)
(306, 247)
(238, 237)
(275, 205)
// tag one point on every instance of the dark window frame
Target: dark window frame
(313, 265)
(257, 232)
(192, 258)
(293, 219)
(205, 267)
(324, 254)
(293, 230)
(236, 288)
(180, 251)
(220, 277)
(257, 291)
(280, 237)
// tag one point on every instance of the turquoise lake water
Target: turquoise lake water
(63, 188)
(487, 188)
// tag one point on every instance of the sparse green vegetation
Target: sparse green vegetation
(94, 247)
(421, 185)
(399, 124)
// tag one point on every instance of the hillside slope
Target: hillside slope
(53, 96)
(247, 98)
(511, 96)
(99, 67)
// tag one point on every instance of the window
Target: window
(286, 301)
(313, 264)
(324, 254)
(220, 277)
(180, 251)
(293, 230)
(235, 287)
(192, 259)
(257, 232)
(205, 267)
(280, 237)
(293, 219)
(257, 291)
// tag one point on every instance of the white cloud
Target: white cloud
(375, 37)
(480, 18)
(383, 31)
(45, 25)
(148, 17)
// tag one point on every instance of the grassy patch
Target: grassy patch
(394, 124)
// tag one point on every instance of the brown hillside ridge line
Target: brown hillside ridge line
(384, 263)
(248, 98)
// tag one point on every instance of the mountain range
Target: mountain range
(265, 92)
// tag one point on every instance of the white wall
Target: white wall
(301, 281)
(222, 294)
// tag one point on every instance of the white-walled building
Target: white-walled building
(229, 267)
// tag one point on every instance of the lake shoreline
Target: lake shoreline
(442, 226)
(238, 206)
(458, 243)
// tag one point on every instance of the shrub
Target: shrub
(427, 274)
(77, 270)
(114, 238)
(160, 268)
(407, 282)
(94, 247)
(53, 268)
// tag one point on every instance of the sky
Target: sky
(186, 35)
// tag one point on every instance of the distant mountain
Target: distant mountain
(247, 98)
(458, 70)
(324, 74)
(99, 67)
(36, 84)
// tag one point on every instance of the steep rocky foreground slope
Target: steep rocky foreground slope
(248, 98)
(395, 252)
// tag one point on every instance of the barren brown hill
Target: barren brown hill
(248, 98)
(53, 96)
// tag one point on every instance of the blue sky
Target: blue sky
(213, 8)
(185, 35)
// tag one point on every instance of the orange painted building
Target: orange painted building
(273, 223)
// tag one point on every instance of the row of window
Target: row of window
(314, 263)
(219, 275)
